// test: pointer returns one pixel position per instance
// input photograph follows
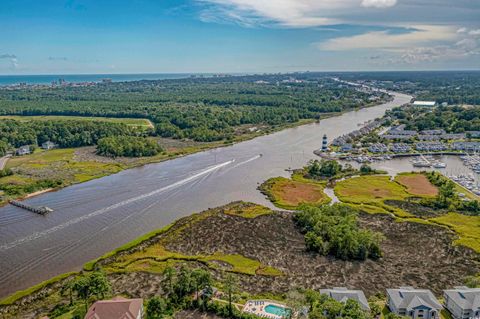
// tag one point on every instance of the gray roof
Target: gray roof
(409, 298)
(464, 297)
(342, 294)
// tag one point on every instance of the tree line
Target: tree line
(199, 109)
(15, 133)
(129, 146)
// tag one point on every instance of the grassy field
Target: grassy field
(139, 123)
(417, 184)
(54, 165)
(291, 193)
(467, 228)
(369, 189)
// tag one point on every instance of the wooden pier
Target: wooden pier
(43, 210)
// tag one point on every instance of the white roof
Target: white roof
(425, 103)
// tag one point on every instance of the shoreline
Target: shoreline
(215, 145)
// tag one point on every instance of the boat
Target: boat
(439, 165)
(421, 164)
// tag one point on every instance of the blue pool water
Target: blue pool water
(276, 310)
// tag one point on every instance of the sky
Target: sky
(237, 36)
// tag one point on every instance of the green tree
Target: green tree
(156, 308)
(230, 287)
(170, 274)
(201, 279)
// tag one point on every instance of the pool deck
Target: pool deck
(257, 307)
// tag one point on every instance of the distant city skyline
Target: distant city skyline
(237, 36)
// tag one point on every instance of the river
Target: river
(95, 217)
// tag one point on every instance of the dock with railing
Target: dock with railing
(42, 210)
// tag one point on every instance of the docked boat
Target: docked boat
(439, 165)
(421, 164)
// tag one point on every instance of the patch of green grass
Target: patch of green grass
(369, 189)
(89, 266)
(23, 293)
(248, 210)
(466, 227)
(140, 123)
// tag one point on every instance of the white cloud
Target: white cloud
(289, 13)
(417, 49)
(379, 3)
(388, 41)
(474, 32)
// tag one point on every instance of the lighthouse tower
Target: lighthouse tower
(324, 143)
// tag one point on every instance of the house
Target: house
(414, 303)
(400, 148)
(48, 145)
(466, 146)
(342, 294)
(347, 147)
(463, 302)
(430, 146)
(425, 103)
(432, 132)
(378, 148)
(117, 308)
(23, 150)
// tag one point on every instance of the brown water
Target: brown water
(93, 218)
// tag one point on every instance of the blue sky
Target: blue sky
(148, 36)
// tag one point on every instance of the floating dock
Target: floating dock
(43, 210)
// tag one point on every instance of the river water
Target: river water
(95, 217)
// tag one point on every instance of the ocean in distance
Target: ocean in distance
(75, 78)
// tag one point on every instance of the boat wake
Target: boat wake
(248, 160)
(184, 181)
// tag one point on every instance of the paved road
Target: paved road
(3, 161)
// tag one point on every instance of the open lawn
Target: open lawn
(417, 184)
(369, 189)
(139, 123)
(289, 194)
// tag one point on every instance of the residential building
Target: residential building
(453, 136)
(432, 132)
(400, 148)
(347, 147)
(425, 103)
(463, 302)
(23, 150)
(430, 146)
(117, 308)
(378, 148)
(48, 145)
(466, 146)
(342, 294)
(414, 303)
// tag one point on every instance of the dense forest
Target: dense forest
(452, 119)
(63, 133)
(452, 87)
(129, 146)
(203, 109)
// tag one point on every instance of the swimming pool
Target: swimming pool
(276, 310)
